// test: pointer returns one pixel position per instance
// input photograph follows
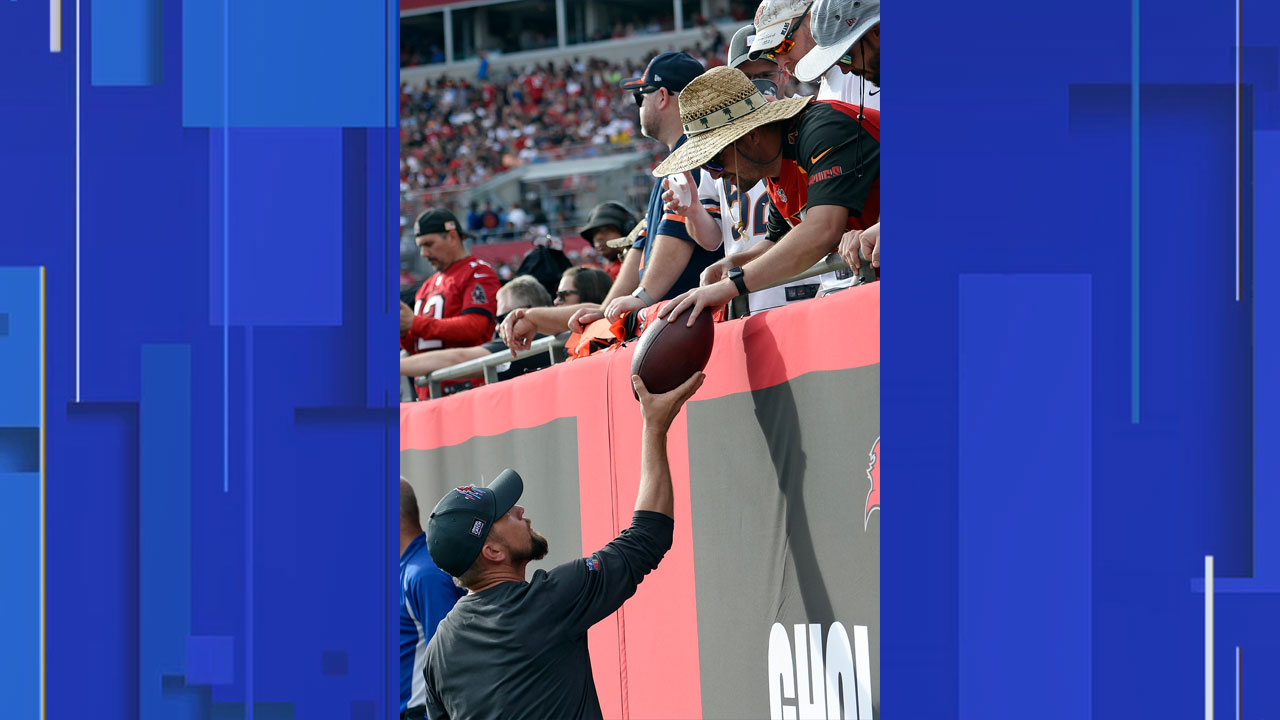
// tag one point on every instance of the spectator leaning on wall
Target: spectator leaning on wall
(820, 160)
(741, 225)
(665, 260)
(847, 37)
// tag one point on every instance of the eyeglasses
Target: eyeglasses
(564, 294)
(639, 94)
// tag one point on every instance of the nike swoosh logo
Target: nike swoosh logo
(813, 160)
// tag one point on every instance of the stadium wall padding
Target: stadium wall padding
(769, 598)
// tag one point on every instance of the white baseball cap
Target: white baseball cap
(774, 20)
(836, 25)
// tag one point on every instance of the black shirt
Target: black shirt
(519, 649)
(829, 157)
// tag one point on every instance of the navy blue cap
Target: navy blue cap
(670, 70)
(460, 522)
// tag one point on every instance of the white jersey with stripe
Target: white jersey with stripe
(755, 216)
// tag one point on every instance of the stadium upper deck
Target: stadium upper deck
(450, 38)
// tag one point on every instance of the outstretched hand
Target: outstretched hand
(660, 410)
(708, 297)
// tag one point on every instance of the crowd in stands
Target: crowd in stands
(737, 230)
(458, 132)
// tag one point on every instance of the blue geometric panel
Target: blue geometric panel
(164, 527)
(126, 42)
(19, 450)
(20, 300)
(1025, 485)
(20, 615)
(284, 239)
(172, 523)
(210, 660)
(288, 63)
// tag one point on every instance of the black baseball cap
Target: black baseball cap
(606, 214)
(460, 522)
(670, 70)
(438, 220)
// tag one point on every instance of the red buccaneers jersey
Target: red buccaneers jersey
(827, 159)
(467, 286)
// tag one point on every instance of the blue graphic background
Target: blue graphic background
(217, 545)
(219, 483)
(1048, 516)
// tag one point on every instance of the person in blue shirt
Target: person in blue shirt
(427, 594)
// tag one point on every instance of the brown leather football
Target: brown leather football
(671, 352)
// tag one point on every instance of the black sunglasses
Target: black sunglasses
(715, 164)
(564, 294)
(639, 94)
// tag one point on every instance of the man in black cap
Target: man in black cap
(456, 306)
(608, 221)
(516, 648)
(664, 261)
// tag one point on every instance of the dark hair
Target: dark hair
(409, 505)
(592, 284)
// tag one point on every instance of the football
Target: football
(671, 352)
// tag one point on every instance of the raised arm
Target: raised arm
(659, 411)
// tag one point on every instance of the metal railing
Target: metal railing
(488, 365)
(739, 308)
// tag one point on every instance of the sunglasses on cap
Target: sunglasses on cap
(639, 94)
(788, 41)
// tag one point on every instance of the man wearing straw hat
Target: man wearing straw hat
(820, 161)
(740, 226)
(846, 34)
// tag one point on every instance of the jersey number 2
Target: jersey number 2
(433, 308)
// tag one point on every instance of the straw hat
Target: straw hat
(718, 107)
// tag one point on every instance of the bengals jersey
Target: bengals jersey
(828, 158)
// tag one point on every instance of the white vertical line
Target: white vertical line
(55, 26)
(77, 200)
(1208, 637)
(43, 420)
(1238, 150)
(1238, 688)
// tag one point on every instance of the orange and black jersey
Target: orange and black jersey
(828, 158)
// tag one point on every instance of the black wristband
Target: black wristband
(735, 275)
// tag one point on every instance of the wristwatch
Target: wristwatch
(735, 275)
(642, 296)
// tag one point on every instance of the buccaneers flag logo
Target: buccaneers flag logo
(873, 474)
